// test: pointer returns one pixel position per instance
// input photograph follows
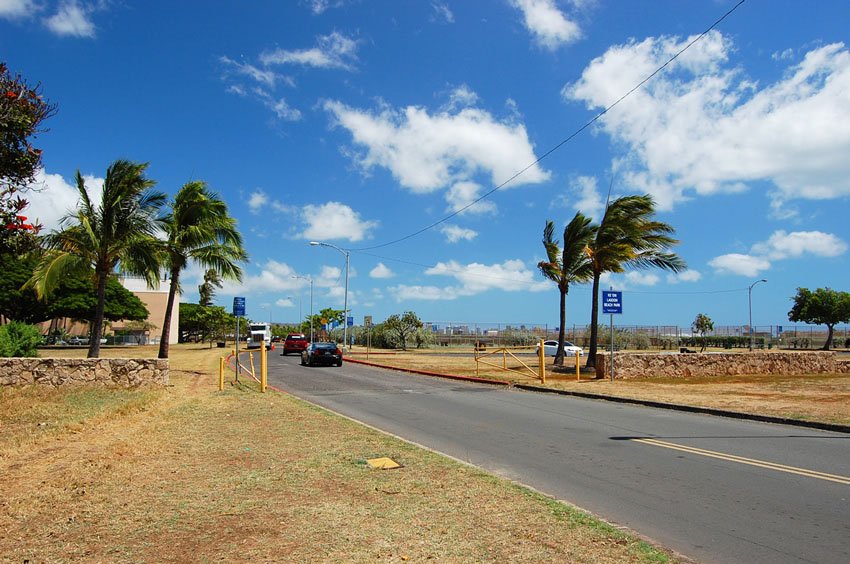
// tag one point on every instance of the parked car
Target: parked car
(551, 347)
(78, 341)
(294, 342)
(321, 353)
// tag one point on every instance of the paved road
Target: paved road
(709, 488)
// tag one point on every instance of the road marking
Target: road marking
(750, 461)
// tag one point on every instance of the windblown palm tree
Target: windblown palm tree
(120, 232)
(627, 237)
(568, 266)
(198, 228)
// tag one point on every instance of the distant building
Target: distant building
(156, 301)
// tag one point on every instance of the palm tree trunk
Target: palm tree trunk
(559, 354)
(97, 322)
(166, 323)
(594, 316)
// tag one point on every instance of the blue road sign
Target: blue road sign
(612, 302)
(239, 306)
(350, 321)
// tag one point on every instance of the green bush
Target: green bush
(19, 340)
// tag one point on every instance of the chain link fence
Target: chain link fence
(637, 337)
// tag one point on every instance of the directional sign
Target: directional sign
(612, 302)
(350, 321)
(239, 306)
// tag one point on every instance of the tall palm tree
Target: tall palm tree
(568, 266)
(628, 237)
(198, 227)
(120, 232)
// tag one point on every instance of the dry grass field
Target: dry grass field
(188, 473)
(815, 397)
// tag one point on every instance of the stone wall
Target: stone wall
(124, 372)
(695, 365)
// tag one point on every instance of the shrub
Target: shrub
(19, 340)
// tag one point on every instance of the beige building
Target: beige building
(156, 301)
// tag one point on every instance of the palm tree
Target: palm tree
(120, 232)
(206, 291)
(627, 237)
(567, 266)
(198, 228)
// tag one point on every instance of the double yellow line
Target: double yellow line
(750, 461)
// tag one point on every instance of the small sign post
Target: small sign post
(612, 302)
(238, 311)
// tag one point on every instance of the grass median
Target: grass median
(188, 473)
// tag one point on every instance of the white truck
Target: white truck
(259, 333)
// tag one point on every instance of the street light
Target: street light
(750, 302)
(311, 303)
(346, 254)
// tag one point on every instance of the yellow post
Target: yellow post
(264, 368)
(578, 369)
(504, 359)
(221, 374)
(541, 356)
(251, 359)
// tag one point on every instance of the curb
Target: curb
(647, 403)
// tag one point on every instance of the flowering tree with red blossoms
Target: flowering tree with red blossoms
(22, 111)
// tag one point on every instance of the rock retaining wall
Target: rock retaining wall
(124, 372)
(696, 365)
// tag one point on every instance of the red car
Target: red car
(294, 343)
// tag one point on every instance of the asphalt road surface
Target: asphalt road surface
(713, 489)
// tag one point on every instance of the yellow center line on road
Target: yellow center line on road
(750, 461)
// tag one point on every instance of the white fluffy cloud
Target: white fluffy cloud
(549, 26)
(779, 246)
(455, 233)
(427, 152)
(381, 271)
(736, 263)
(13, 9)
(782, 245)
(334, 220)
(462, 195)
(472, 279)
(686, 276)
(583, 196)
(51, 197)
(71, 19)
(257, 201)
(703, 127)
(642, 278)
(333, 51)
(274, 277)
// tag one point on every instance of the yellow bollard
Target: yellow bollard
(542, 358)
(264, 368)
(251, 360)
(578, 368)
(221, 374)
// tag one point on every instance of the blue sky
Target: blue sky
(361, 122)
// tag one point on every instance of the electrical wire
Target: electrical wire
(577, 287)
(569, 138)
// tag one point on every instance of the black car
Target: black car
(321, 353)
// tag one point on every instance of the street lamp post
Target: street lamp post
(311, 302)
(750, 304)
(346, 254)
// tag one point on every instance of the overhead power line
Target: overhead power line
(569, 138)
